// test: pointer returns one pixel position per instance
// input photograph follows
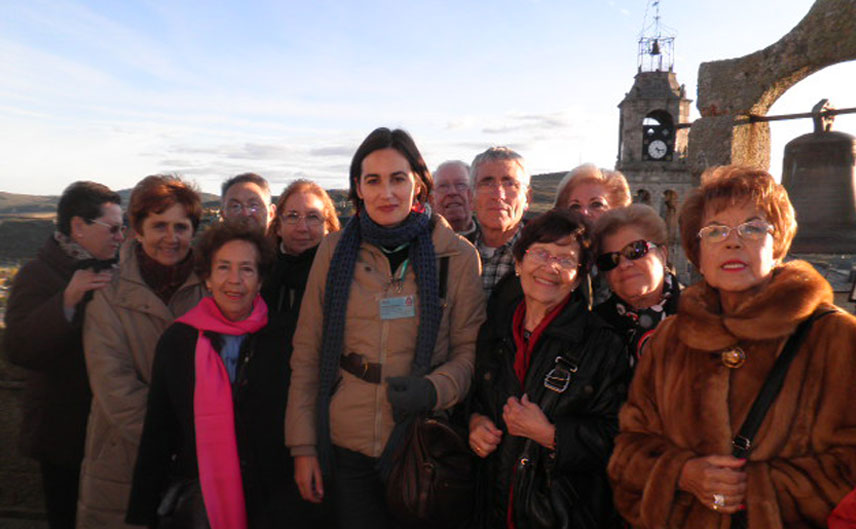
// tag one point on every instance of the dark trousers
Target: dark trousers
(360, 493)
(60, 485)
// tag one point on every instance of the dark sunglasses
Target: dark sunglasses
(635, 250)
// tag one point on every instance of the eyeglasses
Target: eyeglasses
(543, 257)
(312, 219)
(753, 230)
(446, 187)
(236, 208)
(489, 184)
(633, 251)
(114, 229)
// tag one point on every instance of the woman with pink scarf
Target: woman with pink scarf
(212, 451)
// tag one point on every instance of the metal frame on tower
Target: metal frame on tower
(656, 42)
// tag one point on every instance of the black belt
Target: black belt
(357, 365)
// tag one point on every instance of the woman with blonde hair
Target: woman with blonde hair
(592, 191)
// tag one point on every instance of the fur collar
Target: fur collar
(793, 295)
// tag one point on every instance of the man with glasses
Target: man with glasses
(501, 196)
(247, 195)
(452, 197)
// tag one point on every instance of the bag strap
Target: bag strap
(742, 442)
(443, 280)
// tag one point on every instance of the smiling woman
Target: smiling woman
(154, 285)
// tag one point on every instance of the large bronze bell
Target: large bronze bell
(818, 172)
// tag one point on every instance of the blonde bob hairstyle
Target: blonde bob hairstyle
(733, 185)
(331, 218)
(638, 216)
(617, 190)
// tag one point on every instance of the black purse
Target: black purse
(182, 506)
(539, 500)
(742, 442)
(431, 482)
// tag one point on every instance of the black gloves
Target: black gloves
(410, 395)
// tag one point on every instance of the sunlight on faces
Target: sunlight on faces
(736, 266)
(247, 199)
(234, 281)
(307, 208)
(547, 284)
(166, 236)
(452, 196)
(387, 187)
(589, 199)
(500, 197)
(95, 236)
(638, 282)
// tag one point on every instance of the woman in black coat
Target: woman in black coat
(168, 484)
(550, 378)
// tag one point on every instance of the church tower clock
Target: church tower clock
(653, 133)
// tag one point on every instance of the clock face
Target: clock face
(657, 149)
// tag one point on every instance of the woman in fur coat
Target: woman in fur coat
(673, 465)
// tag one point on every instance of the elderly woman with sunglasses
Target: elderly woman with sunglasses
(550, 377)
(633, 258)
(686, 456)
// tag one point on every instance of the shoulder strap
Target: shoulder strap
(742, 443)
(442, 284)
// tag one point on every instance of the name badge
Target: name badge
(395, 308)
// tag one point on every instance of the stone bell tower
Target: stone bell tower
(653, 134)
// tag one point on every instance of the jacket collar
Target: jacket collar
(794, 293)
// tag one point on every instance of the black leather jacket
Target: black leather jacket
(585, 414)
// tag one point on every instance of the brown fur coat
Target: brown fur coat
(684, 403)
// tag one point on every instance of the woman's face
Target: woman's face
(166, 236)
(301, 222)
(387, 187)
(234, 281)
(638, 282)
(548, 271)
(736, 265)
(588, 198)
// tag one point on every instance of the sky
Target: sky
(113, 91)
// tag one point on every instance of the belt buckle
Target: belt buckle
(559, 378)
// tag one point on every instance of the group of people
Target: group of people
(264, 375)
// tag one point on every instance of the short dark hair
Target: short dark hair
(384, 138)
(253, 178)
(157, 193)
(83, 199)
(555, 225)
(217, 235)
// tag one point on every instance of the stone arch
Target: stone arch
(643, 196)
(732, 89)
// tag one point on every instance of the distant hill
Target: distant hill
(17, 204)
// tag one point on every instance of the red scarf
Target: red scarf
(214, 414)
(524, 348)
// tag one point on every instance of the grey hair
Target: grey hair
(453, 163)
(497, 154)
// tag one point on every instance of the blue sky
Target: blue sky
(113, 91)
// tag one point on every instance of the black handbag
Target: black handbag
(539, 500)
(742, 442)
(182, 506)
(431, 482)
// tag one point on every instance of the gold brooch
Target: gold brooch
(733, 358)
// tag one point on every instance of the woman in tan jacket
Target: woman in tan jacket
(124, 321)
(383, 332)
(675, 463)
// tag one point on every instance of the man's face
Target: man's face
(246, 199)
(501, 195)
(452, 196)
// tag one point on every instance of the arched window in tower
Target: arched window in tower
(658, 136)
(643, 197)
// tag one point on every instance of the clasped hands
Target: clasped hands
(522, 418)
(718, 482)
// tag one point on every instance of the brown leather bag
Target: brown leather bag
(431, 482)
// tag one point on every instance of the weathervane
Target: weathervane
(656, 42)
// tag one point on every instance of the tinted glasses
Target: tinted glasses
(753, 230)
(635, 250)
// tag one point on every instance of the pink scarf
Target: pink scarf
(214, 415)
